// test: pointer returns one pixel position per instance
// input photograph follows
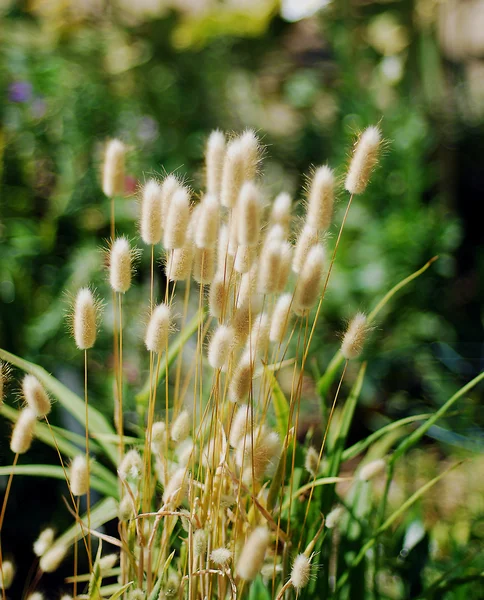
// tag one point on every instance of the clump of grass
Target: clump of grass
(215, 497)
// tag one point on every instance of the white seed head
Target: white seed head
(240, 425)
(66, 597)
(85, 319)
(23, 431)
(125, 509)
(281, 211)
(309, 281)
(259, 336)
(258, 452)
(35, 395)
(251, 153)
(181, 427)
(354, 338)
(249, 294)
(169, 186)
(214, 159)
(79, 476)
(225, 258)
(53, 558)
(241, 322)
(321, 199)
(107, 562)
(233, 173)
(311, 462)
(120, 265)
(131, 466)
(177, 220)
(200, 540)
(244, 259)
(184, 451)
(248, 215)
(365, 157)
(36, 596)
(252, 556)
(306, 240)
(158, 436)
(179, 262)
(301, 572)
(44, 541)
(334, 517)
(285, 266)
(204, 263)
(156, 339)
(280, 318)
(220, 556)
(372, 469)
(241, 381)
(151, 222)
(176, 488)
(270, 266)
(206, 230)
(113, 168)
(218, 296)
(7, 573)
(220, 346)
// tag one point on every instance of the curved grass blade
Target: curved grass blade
(281, 405)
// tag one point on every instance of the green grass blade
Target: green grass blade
(281, 405)
(331, 372)
(121, 591)
(69, 400)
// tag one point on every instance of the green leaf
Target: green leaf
(281, 405)
(121, 591)
(258, 591)
(96, 577)
(69, 400)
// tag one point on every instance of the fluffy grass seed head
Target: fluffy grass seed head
(301, 572)
(7, 573)
(220, 346)
(180, 428)
(23, 431)
(204, 264)
(79, 475)
(252, 556)
(151, 221)
(334, 517)
(249, 294)
(158, 330)
(169, 186)
(158, 436)
(35, 395)
(372, 469)
(125, 509)
(4, 375)
(85, 319)
(321, 198)
(241, 323)
(206, 231)
(218, 296)
(354, 338)
(281, 211)
(311, 462)
(214, 160)
(309, 281)
(108, 561)
(178, 266)
(233, 173)
(270, 266)
(251, 152)
(52, 558)
(244, 259)
(131, 466)
(241, 381)
(248, 215)
(287, 253)
(240, 425)
(44, 541)
(176, 488)
(36, 596)
(177, 220)
(120, 265)
(200, 541)
(308, 237)
(113, 168)
(363, 161)
(258, 341)
(220, 556)
(280, 318)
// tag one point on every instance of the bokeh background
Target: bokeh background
(307, 75)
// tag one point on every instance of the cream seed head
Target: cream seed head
(281, 211)
(285, 267)
(225, 259)
(158, 437)
(301, 572)
(206, 230)
(181, 427)
(131, 466)
(178, 266)
(252, 556)
(86, 309)
(233, 173)
(372, 469)
(184, 452)
(23, 431)
(248, 215)
(334, 517)
(178, 217)
(240, 424)
(204, 263)
(311, 462)
(306, 240)
(321, 198)
(251, 152)
(35, 395)
(220, 346)
(249, 294)
(176, 488)
(44, 541)
(244, 259)
(151, 222)
(214, 158)
(168, 188)
(241, 381)
(258, 341)
(280, 318)
(7, 573)
(354, 338)
(270, 266)
(108, 562)
(257, 452)
(157, 332)
(79, 476)
(53, 558)
(120, 265)
(200, 540)
(241, 322)
(36, 596)
(125, 509)
(220, 556)
(218, 296)
(113, 168)
(309, 281)
(365, 158)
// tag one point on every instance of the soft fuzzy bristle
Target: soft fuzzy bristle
(372, 469)
(131, 466)
(218, 296)
(181, 427)
(7, 573)
(179, 262)
(334, 517)
(311, 462)
(252, 556)
(156, 339)
(240, 383)
(36, 596)
(4, 372)
(220, 556)
(214, 158)
(301, 572)
(241, 322)
(309, 282)
(23, 432)
(258, 452)
(365, 157)
(151, 222)
(306, 240)
(270, 266)
(85, 319)
(52, 558)
(199, 542)
(240, 425)
(158, 437)
(204, 263)
(244, 259)
(285, 266)
(321, 199)
(280, 318)
(120, 265)
(168, 188)
(108, 562)
(248, 291)
(354, 337)
(251, 152)
(79, 476)
(233, 173)
(178, 217)
(206, 232)
(35, 395)
(220, 345)
(44, 541)
(281, 211)
(259, 336)
(113, 168)
(176, 488)
(248, 215)
(225, 259)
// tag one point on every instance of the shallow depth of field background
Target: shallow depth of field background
(161, 74)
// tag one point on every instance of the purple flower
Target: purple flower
(20, 91)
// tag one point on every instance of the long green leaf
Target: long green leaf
(56, 472)
(69, 400)
(121, 591)
(327, 379)
(174, 348)
(281, 405)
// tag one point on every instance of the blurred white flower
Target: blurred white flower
(295, 10)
